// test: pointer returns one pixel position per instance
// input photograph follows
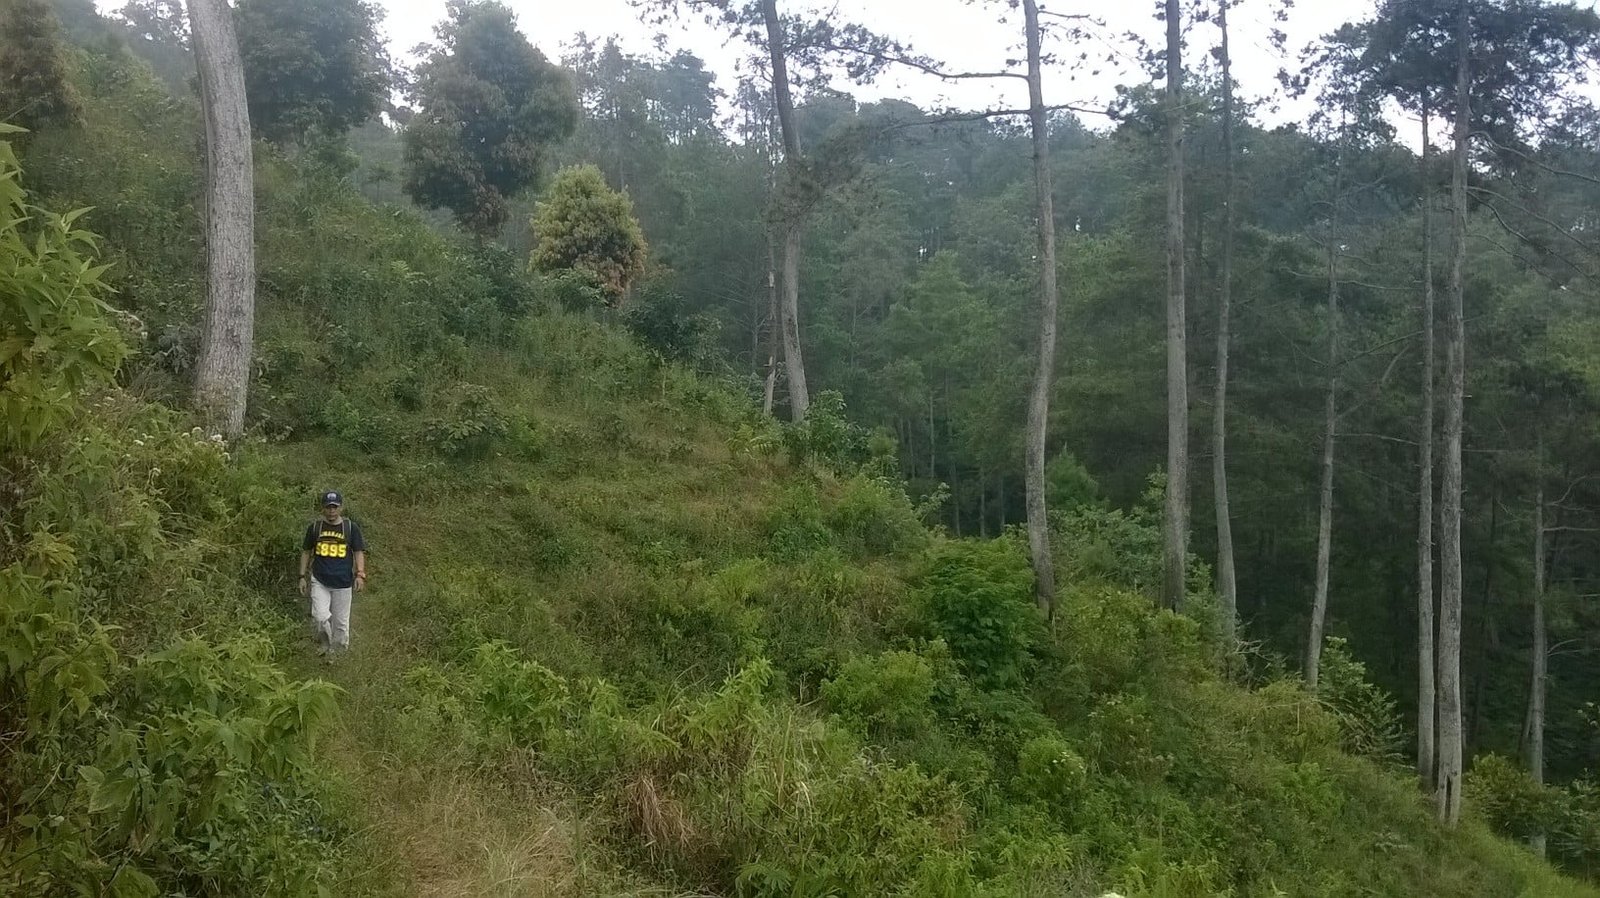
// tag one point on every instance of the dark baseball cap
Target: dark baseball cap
(332, 497)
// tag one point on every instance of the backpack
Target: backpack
(314, 529)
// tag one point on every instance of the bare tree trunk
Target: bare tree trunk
(1044, 574)
(1541, 649)
(1450, 760)
(771, 385)
(222, 381)
(1426, 704)
(1330, 424)
(1227, 579)
(1176, 523)
(789, 319)
(792, 214)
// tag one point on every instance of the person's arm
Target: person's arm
(305, 562)
(358, 545)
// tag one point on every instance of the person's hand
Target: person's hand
(305, 585)
(361, 582)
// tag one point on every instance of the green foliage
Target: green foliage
(662, 320)
(35, 92)
(56, 336)
(1068, 484)
(489, 106)
(584, 225)
(471, 425)
(886, 695)
(311, 65)
(796, 527)
(1369, 720)
(978, 597)
(1576, 836)
(139, 762)
(1051, 772)
(873, 516)
(1509, 800)
(826, 436)
(1119, 547)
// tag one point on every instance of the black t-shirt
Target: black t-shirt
(333, 549)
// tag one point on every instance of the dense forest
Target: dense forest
(791, 494)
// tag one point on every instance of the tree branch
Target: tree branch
(920, 65)
(1524, 156)
(951, 118)
(1506, 226)
(1535, 215)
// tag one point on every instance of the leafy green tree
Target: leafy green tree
(34, 90)
(311, 65)
(490, 107)
(586, 226)
(157, 31)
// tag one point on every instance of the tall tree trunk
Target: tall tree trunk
(1227, 580)
(1044, 573)
(769, 388)
(1450, 760)
(1541, 649)
(1488, 640)
(792, 213)
(222, 380)
(1330, 425)
(1426, 703)
(789, 319)
(1176, 522)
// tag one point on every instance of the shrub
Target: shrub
(873, 516)
(364, 426)
(470, 427)
(1050, 771)
(826, 437)
(978, 597)
(796, 527)
(56, 333)
(1509, 800)
(661, 320)
(1575, 838)
(186, 771)
(1369, 720)
(885, 695)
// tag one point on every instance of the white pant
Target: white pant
(330, 615)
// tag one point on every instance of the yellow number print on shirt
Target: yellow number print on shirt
(332, 549)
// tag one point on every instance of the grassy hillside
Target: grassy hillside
(623, 637)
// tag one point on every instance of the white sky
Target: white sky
(962, 34)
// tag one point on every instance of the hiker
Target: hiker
(334, 554)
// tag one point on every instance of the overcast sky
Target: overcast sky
(966, 35)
